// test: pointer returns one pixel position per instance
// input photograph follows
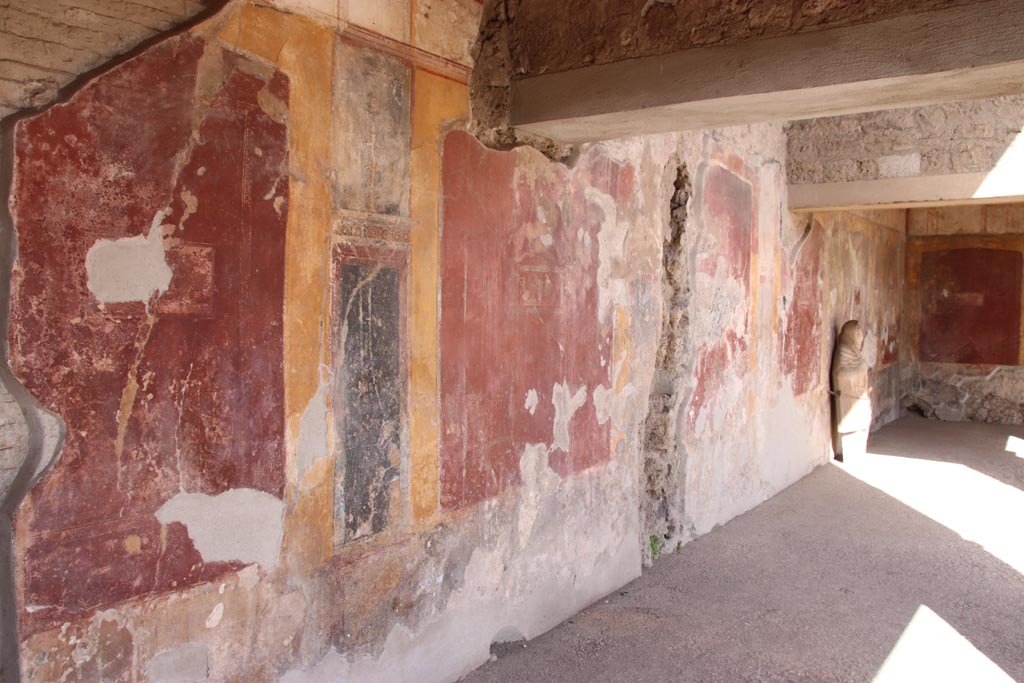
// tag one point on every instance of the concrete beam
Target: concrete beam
(901, 193)
(1004, 182)
(960, 53)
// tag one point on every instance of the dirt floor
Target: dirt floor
(820, 582)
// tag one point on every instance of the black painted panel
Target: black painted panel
(369, 395)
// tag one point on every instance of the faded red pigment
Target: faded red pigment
(801, 347)
(729, 210)
(519, 313)
(206, 355)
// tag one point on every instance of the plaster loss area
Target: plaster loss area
(319, 368)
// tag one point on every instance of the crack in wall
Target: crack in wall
(664, 455)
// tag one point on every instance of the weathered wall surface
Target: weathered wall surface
(864, 281)
(350, 396)
(952, 138)
(46, 44)
(237, 318)
(529, 38)
(162, 312)
(753, 416)
(964, 292)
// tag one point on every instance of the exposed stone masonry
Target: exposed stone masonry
(664, 454)
(956, 137)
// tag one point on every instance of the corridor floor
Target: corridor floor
(903, 566)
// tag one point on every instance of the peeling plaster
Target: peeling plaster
(602, 398)
(311, 444)
(566, 404)
(532, 401)
(576, 540)
(186, 664)
(130, 268)
(611, 241)
(240, 525)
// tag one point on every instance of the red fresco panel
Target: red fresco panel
(729, 208)
(802, 342)
(729, 212)
(970, 306)
(207, 415)
(518, 315)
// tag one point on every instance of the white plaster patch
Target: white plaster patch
(547, 240)
(870, 349)
(130, 268)
(602, 400)
(566, 404)
(611, 242)
(532, 401)
(899, 165)
(311, 444)
(240, 525)
(539, 482)
(216, 614)
(186, 664)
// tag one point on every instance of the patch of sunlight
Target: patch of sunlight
(931, 650)
(975, 506)
(1007, 178)
(1015, 446)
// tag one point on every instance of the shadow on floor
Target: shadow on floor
(816, 584)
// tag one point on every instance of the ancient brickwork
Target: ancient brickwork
(970, 393)
(664, 452)
(970, 219)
